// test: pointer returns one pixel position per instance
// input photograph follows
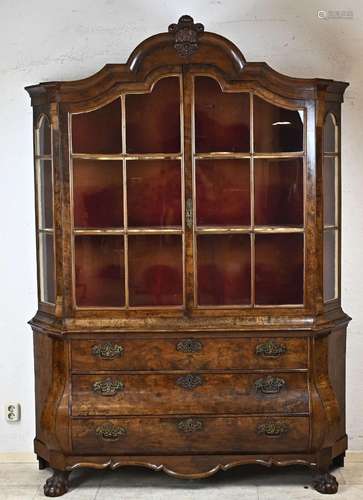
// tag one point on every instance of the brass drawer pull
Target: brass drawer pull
(269, 385)
(271, 349)
(109, 432)
(190, 425)
(108, 350)
(189, 346)
(272, 429)
(108, 387)
(189, 382)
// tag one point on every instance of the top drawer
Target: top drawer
(194, 353)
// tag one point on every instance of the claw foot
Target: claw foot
(56, 485)
(326, 484)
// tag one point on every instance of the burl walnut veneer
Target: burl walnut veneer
(188, 237)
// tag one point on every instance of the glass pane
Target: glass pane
(224, 269)
(153, 120)
(97, 193)
(279, 198)
(223, 192)
(279, 268)
(155, 270)
(44, 142)
(330, 140)
(222, 119)
(99, 271)
(98, 131)
(329, 189)
(46, 257)
(154, 193)
(45, 190)
(276, 129)
(330, 264)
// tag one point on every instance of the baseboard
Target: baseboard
(20, 458)
(26, 458)
(354, 456)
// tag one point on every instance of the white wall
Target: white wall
(44, 40)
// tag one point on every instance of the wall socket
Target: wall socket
(12, 412)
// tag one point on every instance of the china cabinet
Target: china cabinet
(188, 241)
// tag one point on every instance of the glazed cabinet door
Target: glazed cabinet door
(188, 193)
(248, 187)
(127, 177)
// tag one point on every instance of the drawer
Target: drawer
(177, 353)
(190, 435)
(189, 393)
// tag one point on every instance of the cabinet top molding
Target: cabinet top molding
(185, 42)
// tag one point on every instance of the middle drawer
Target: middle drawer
(118, 393)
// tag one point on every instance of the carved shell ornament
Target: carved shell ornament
(186, 35)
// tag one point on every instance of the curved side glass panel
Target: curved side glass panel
(45, 225)
(331, 163)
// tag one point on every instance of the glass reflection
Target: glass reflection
(97, 193)
(46, 256)
(99, 271)
(222, 119)
(276, 129)
(224, 269)
(279, 269)
(279, 197)
(223, 192)
(99, 131)
(154, 193)
(153, 119)
(155, 270)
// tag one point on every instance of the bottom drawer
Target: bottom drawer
(190, 435)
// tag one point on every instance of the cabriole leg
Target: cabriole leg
(324, 481)
(56, 485)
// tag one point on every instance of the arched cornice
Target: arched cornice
(186, 43)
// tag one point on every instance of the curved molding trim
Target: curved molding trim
(114, 463)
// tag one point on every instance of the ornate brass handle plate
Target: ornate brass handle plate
(272, 429)
(189, 382)
(190, 425)
(189, 346)
(189, 213)
(108, 387)
(269, 385)
(108, 350)
(109, 432)
(271, 349)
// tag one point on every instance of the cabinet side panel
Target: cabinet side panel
(43, 368)
(337, 351)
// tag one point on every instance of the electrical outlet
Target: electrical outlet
(12, 412)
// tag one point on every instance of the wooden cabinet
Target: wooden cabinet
(188, 236)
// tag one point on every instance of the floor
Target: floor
(25, 482)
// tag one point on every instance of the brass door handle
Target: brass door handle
(108, 387)
(108, 350)
(269, 385)
(109, 432)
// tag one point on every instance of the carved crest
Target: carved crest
(186, 35)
